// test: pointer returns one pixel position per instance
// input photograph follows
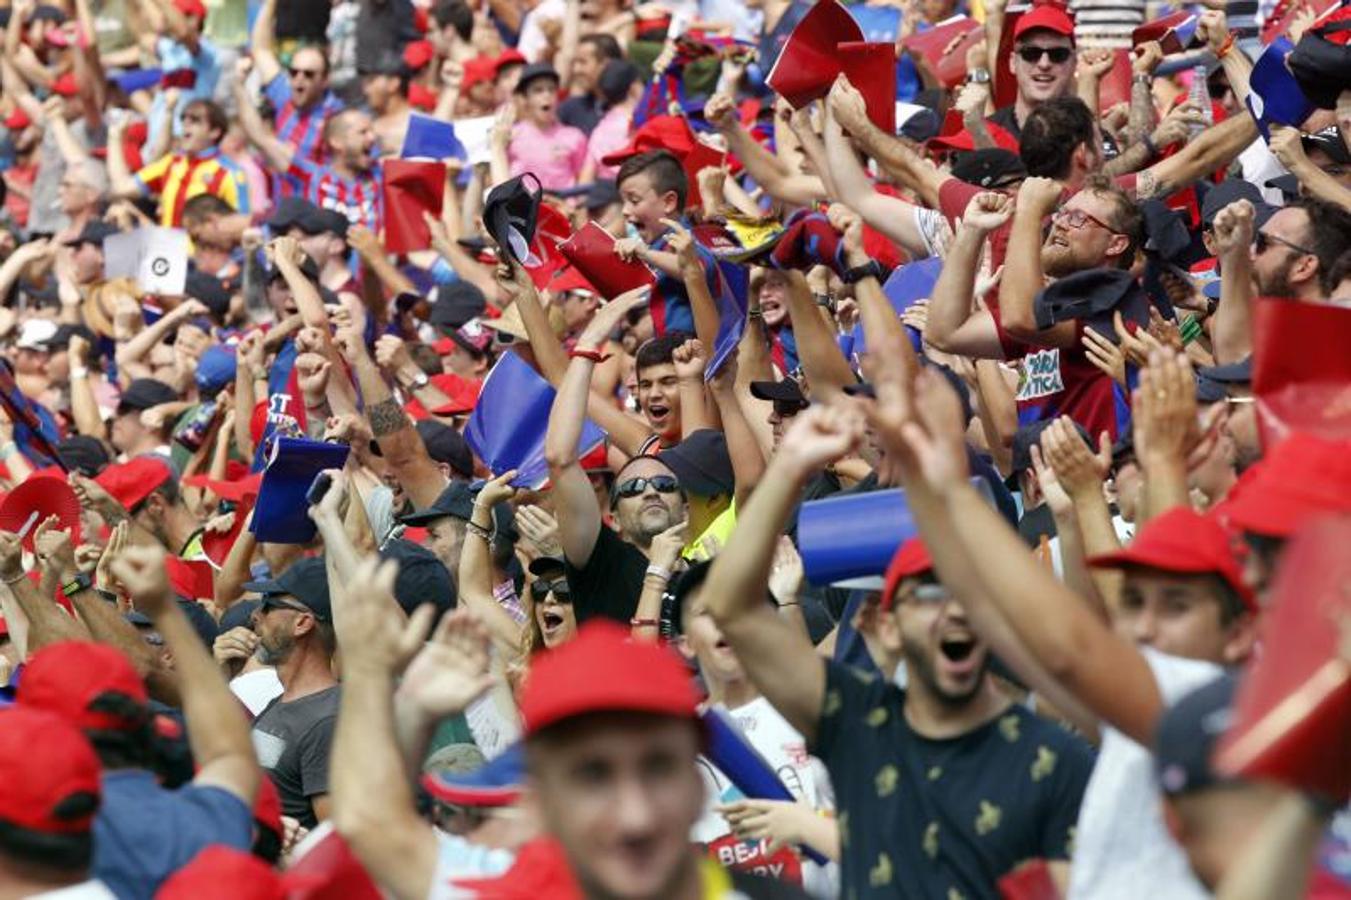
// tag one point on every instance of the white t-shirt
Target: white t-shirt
(85, 890)
(458, 859)
(1122, 849)
(257, 689)
(805, 777)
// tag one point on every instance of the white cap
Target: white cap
(35, 334)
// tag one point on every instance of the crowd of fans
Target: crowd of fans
(1049, 297)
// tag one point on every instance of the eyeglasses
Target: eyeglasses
(662, 484)
(308, 73)
(929, 594)
(540, 588)
(1262, 240)
(1032, 54)
(1077, 218)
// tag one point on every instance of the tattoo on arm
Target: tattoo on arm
(386, 417)
(1148, 185)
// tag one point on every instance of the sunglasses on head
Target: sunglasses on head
(1031, 53)
(540, 588)
(632, 487)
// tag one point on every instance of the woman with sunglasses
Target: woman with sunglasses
(552, 620)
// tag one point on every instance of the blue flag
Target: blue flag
(35, 430)
(507, 427)
(431, 138)
(1275, 96)
(907, 284)
(281, 515)
(730, 285)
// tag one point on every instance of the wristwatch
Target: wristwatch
(81, 582)
(871, 269)
(420, 380)
(978, 76)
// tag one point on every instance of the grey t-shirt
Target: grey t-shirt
(293, 740)
(44, 217)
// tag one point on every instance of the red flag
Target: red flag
(809, 62)
(871, 68)
(592, 251)
(1292, 715)
(410, 189)
(949, 68)
(1301, 370)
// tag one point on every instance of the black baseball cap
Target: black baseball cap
(287, 212)
(84, 454)
(239, 613)
(541, 566)
(210, 290)
(317, 220)
(456, 304)
(143, 393)
(306, 581)
(785, 390)
(446, 445)
(422, 577)
(1187, 734)
(989, 167)
(1231, 190)
(93, 232)
(701, 463)
(1329, 141)
(456, 501)
(533, 72)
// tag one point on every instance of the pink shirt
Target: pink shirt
(610, 134)
(556, 154)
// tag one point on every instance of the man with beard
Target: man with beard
(292, 736)
(606, 568)
(942, 787)
(1097, 228)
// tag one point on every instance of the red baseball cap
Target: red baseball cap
(476, 70)
(657, 133)
(51, 773)
(220, 872)
(421, 97)
(1299, 479)
(911, 559)
(1047, 16)
(1184, 542)
(602, 670)
(570, 279)
(462, 394)
(417, 54)
(508, 57)
(191, 8)
(17, 120)
(38, 497)
(66, 85)
(67, 677)
(131, 482)
(188, 578)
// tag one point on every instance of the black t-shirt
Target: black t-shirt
(293, 741)
(611, 581)
(1006, 117)
(943, 818)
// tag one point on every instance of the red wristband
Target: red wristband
(1225, 47)
(594, 355)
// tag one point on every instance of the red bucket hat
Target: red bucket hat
(602, 670)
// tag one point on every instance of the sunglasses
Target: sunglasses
(308, 73)
(662, 484)
(1261, 241)
(272, 601)
(1077, 218)
(540, 588)
(1032, 54)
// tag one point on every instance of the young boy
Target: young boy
(540, 144)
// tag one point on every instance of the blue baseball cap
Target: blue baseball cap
(497, 782)
(215, 370)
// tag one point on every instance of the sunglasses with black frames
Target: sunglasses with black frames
(632, 487)
(1031, 53)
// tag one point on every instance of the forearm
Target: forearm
(72, 152)
(1132, 159)
(568, 413)
(1165, 487)
(705, 311)
(950, 300)
(476, 585)
(1140, 120)
(1023, 277)
(47, 622)
(819, 354)
(907, 167)
(339, 554)
(236, 570)
(1231, 336)
(1278, 862)
(544, 343)
(695, 413)
(145, 340)
(648, 610)
(84, 408)
(769, 172)
(998, 412)
(1086, 88)
(308, 302)
(121, 181)
(1099, 537)
(748, 462)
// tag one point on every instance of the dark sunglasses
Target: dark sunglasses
(1032, 53)
(662, 484)
(273, 601)
(1261, 241)
(540, 588)
(308, 73)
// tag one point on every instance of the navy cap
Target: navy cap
(422, 577)
(1187, 734)
(541, 566)
(288, 212)
(1228, 191)
(615, 80)
(456, 304)
(84, 454)
(306, 580)
(456, 501)
(446, 445)
(701, 463)
(785, 390)
(989, 167)
(210, 290)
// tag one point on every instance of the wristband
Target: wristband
(8, 449)
(658, 571)
(594, 355)
(871, 269)
(644, 623)
(81, 582)
(478, 531)
(1223, 50)
(1190, 329)
(78, 372)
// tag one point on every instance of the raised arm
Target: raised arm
(47, 622)
(277, 154)
(908, 167)
(768, 171)
(579, 518)
(262, 41)
(1231, 336)
(476, 568)
(828, 372)
(1023, 277)
(953, 325)
(1212, 150)
(778, 657)
(122, 182)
